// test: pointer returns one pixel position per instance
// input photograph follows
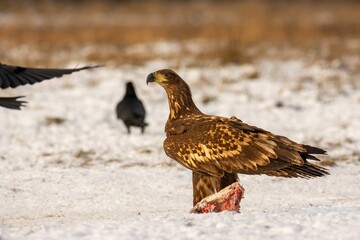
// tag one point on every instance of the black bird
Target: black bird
(131, 110)
(14, 76)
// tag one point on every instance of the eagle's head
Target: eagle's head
(164, 77)
(179, 94)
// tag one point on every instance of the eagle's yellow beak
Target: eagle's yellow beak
(155, 77)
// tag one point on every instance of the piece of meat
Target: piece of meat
(228, 199)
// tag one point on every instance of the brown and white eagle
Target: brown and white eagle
(217, 148)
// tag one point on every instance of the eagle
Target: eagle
(14, 76)
(131, 110)
(216, 148)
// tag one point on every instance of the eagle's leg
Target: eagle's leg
(204, 185)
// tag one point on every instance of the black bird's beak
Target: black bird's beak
(150, 78)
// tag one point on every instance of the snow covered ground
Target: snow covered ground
(69, 170)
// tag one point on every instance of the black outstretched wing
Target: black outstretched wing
(13, 76)
(12, 102)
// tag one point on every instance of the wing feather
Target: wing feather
(13, 76)
(217, 145)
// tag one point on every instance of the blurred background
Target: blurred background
(291, 67)
(189, 33)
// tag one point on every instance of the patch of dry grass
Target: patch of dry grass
(53, 32)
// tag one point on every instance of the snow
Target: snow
(87, 179)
